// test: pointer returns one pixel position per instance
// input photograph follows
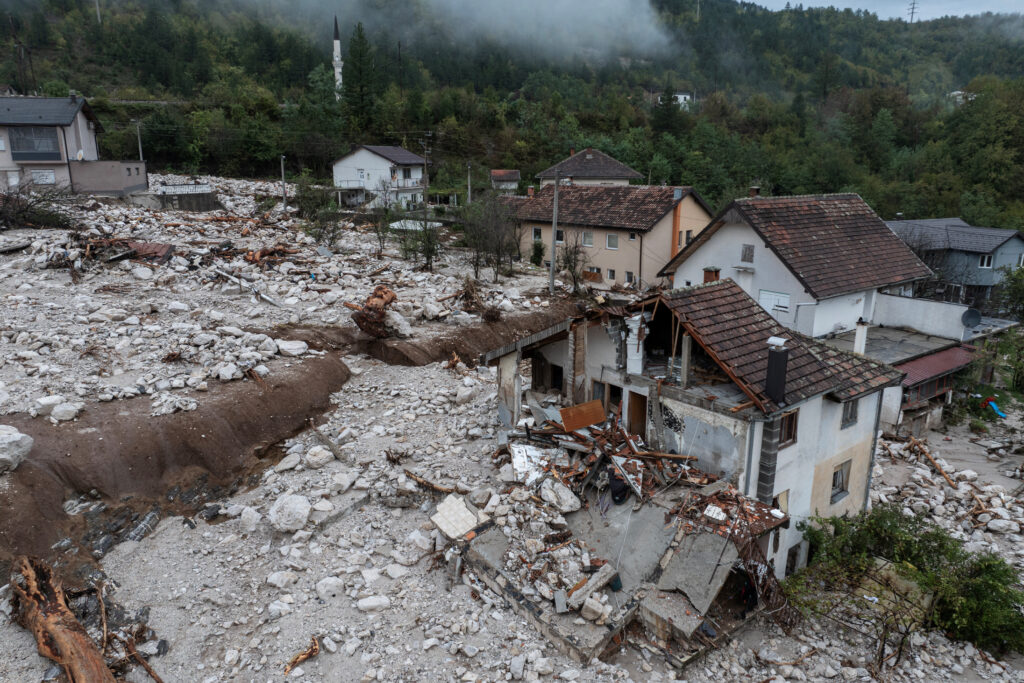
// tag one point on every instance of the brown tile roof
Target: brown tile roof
(590, 163)
(734, 330)
(834, 244)
(624, 207)
(500, 175)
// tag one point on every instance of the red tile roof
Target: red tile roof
(834, 244)
(500, 175)
(625, 207)
(734, 330)
(936, 365)
(590, 163)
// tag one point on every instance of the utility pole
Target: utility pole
(98, 19)
(912, 8)
(469, 183)
(426, 176)
(138, 135)
(284, 188)
(554, 232)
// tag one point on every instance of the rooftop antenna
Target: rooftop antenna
(912, 8)
(98, 19)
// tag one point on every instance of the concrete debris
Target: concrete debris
(289, 512)
(14, 447)
(455, 518)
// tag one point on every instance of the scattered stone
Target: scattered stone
(289, 512)
(14, 447)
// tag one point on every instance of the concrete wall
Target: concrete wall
(116, 178)
(841, 313)
(718, 441)
(892, 399)
(930, 317)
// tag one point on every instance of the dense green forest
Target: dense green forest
(796, 101)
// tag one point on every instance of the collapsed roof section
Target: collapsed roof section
(734, 331)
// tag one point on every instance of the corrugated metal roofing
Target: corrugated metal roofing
(932, 234)
(39, 111)
(936, 365)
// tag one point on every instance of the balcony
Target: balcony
(398, 184)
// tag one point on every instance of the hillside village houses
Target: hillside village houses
(627, 232)
(967, 260)
(51, 142)
(505, 181)
(376, 175)
(704, 371)
(589, 167)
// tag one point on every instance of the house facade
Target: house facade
(967, 260)
(505, 181)
(817, 263)
(379, 175)
(627, 232)
(589, 167)
(705, 372)
(51, 142)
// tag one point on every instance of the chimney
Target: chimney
(860, 338)
(754, 191)
(711, 273)
(775, 378)
(572, 151)
(677, 193)
(529, 191)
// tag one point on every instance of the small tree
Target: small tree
(537, 255)
(490, 233)
(384, 213)
(428, 242)
(1010, 295)
(572, 259)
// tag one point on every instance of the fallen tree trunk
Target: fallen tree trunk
(42, 610)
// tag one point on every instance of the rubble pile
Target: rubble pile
(150, 302)
(986, 517)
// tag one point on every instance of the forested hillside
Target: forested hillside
(797, 101)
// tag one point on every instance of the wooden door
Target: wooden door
(638, 415)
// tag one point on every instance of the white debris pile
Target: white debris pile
(204, 313)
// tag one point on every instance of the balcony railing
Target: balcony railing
(399, 184)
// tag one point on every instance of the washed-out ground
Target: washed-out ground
(342, 548)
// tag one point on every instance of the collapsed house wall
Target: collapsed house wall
(718, 441)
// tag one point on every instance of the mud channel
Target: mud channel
(121, 470)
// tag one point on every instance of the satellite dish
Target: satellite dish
(80, 155)
(971, 317)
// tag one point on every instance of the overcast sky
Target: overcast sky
(926, 9)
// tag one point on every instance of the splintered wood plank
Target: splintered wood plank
(582, 415)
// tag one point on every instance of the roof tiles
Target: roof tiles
(625, 207)
(933, 234)
(591, 163)
(734, 329)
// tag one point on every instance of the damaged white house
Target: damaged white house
(705, 372)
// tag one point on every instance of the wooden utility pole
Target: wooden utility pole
(554, 233)
(284, 188)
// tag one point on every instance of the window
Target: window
(44, 176)
(406, 173)
(362, 174)
(689, 236)
(594, 271)
(559, 236)
(632, 235)
(588, 238)
(840, 482)
(773, 302)
(611, 273)
(849, 414)
(129, 170)
(747, 254)
(34, 143)
(537, 235)
(612, 241)
(985, 261)
(787, 432)
(2, 145)
(1020, 259)
(13, 179)
(629, 276)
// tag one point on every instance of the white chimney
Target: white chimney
(860, 338)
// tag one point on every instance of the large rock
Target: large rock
(558, 494)
(45, 404)
(1003, 526)
(317, 457)
(289, 347)
(396, 323)
(374, 603)
(14, 446)
(331, 587)
(289, 512)
(65, 411)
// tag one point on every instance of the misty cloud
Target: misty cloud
(558, 28)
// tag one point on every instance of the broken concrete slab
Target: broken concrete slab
(699, 568)
(595, 583)
(456, 518)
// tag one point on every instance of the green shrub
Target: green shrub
(977, 595)
(537, 255)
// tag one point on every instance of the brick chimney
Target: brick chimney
(529, 192)
(754, 191)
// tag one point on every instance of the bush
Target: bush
(977, 597)
(537, 255)
(312, 199)
(978, 426)
(32, 207)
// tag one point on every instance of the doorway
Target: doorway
(638, 415)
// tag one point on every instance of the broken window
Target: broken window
(841, 482)
(747, 254)
(849, 414)
(787, 434)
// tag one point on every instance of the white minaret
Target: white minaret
(339, 63)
